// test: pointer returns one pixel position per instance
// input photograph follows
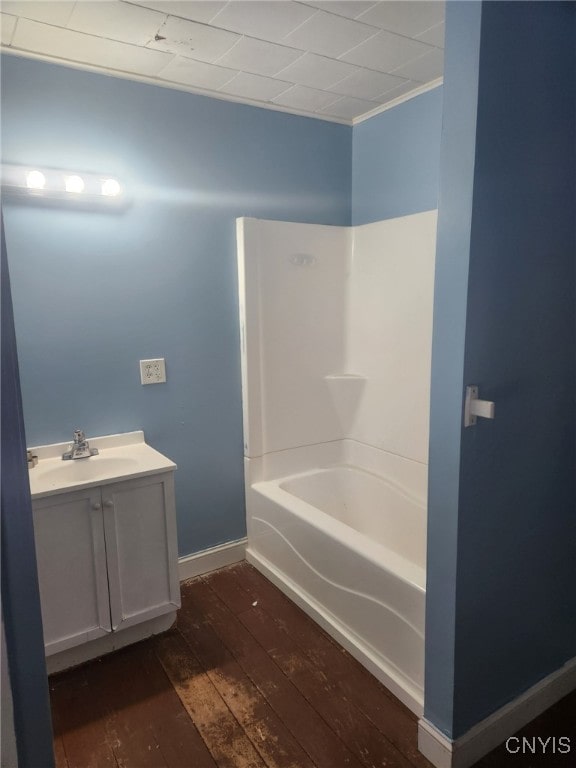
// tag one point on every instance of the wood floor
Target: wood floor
(245, 680)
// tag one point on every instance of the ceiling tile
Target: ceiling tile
(329, 35)
(385, 52)
(196, 73)
(349, 8)
(193, 10)
(258, 57)
(348, 108)
(7, 26)
(317, 71)
(56, 13)
(434, 35)
(196, 41)
(395, 93)
(330, 57)
(117, 21)
(87, 49)
(255, 87)
(405, 18)
(265, 19)
(308, 99)
(367, 84)
(426, 68)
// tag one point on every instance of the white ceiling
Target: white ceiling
(335, 59)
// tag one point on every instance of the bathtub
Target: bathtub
(341, 529)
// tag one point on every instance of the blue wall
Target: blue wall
(21, 619)
(96, 292)
(517, 483)
(450, 300)
(501, 608)
(395, 160)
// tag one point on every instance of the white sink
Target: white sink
(80, 470)
(120, 457)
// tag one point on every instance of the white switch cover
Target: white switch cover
(153, 371)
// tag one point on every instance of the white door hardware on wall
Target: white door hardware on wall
(473, 407)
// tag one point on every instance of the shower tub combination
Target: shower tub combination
(348, 545)
(335, 491)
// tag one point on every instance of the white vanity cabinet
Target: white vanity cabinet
(72, 572)
(142, 560)
(107, 559)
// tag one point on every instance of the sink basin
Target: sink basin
(84, 470)
(122, 457)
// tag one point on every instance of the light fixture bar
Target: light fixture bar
(51, 184)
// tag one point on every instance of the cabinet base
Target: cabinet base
(112, 642)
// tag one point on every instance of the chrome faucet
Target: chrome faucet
(80, 448)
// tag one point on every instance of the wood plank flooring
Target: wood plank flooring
(247, 680)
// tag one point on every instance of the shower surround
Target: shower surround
(336, 332)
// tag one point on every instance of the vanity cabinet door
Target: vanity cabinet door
(140, 530)
(71, 557)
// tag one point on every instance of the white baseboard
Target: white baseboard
(211, 559)
(484, 737)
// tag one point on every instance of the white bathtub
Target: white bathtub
(346, 540)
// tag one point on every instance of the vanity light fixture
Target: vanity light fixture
(111, 188)
(35, 180)
(75, 184)
(55, 186)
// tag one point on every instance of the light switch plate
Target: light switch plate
(153, 371)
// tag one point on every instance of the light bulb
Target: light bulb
(35, 180)
(74, 184)
(111, 188)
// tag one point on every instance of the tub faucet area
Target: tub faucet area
(80, 448)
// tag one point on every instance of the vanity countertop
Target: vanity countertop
(121, 457)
